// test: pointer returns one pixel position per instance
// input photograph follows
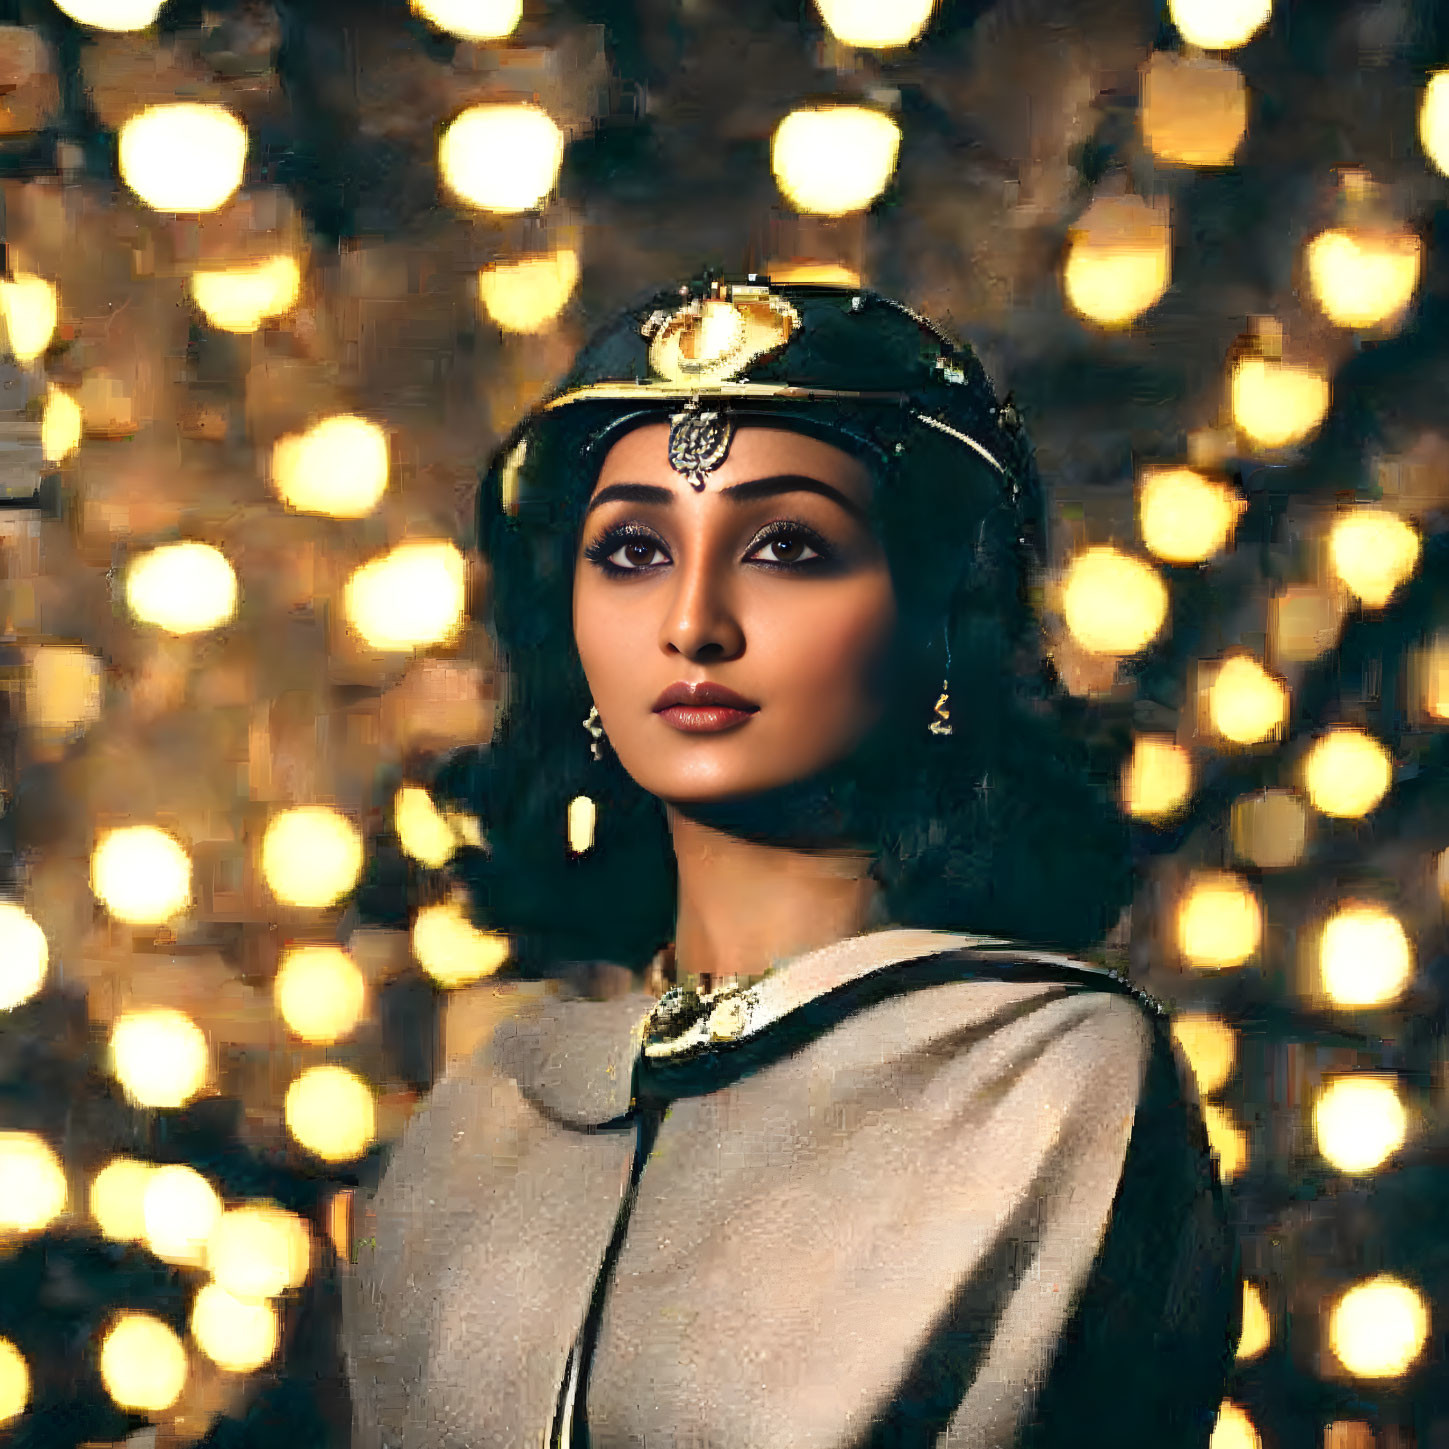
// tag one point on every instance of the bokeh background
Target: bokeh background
(277, 276)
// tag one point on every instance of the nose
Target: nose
(700, 620)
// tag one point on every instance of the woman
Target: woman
(860, 1175)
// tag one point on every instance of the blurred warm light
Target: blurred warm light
(1119, 261)
(1434, 120)
(831, 160)
(63, 689)
(1226, 1139)
(143, 1363)
(421, 830)
(159, 1056)
(409, 598)
(1185, 518)
(1364, 957)
(184, 588)
(1349, 1434)
(1246, 704)
(472, 19)
(1257, 1331)
(875, 24)
(14, 1381)
(232, 1332)
(180, 1209)
(141, 874)
(583, 814)
(60, 425)
(117, 1199)
(1220, 922)
(330, 1111)
(32, 1183)
(527, 293)
(1194, 109)
(24, 955)
(1157, 779)
(1270, 828)
(1276, 404)
(1113, 603)
(502, 158)
(451, 949)
(259, 1250)
(1359, 1121)
(1434, 667)
(320, 993)
(112, 14)
(1219, 24)
(1373, 551)
(28, 308)
(1361, 279)
(311, 855)
(1233, 1429)
(338, 1220)
(338, 467)
(1305, 622)
(1347, 773)
(1377, 1329)
(240, 298)
(1210, 1046)
(823, 274)
(183, 156)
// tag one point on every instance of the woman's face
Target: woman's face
(770, 582)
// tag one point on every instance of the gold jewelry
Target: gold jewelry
(941, 725)
(591, 723)
(699, 439)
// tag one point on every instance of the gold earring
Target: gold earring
(941, 725)
(591, 723)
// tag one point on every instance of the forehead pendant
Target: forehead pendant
(699, 440)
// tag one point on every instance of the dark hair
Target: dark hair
(1006, 827)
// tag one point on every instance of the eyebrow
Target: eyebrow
(737, 492)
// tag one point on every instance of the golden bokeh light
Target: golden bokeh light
(1305, 622)
(1113, 603)
(1378, 1327)
(338, 467)
(184, 588)
(1434, 120)
(141, 874)
(1347, 773)
(501, 157)
(60, 425)
(421, 829)
(409, 598)
(1373, 551)
(234, 1333)
(1194, 108)
(472, 19)
(1119, 260)
(29, 309)
(1257, 1331)
(583, 815)
(311, 856)
(115, 15)
(1270, 828)
(1246, 704)
(1185, 517)
(117, 1199)
(875, 24)
(1434, 677)
(180, 1209)
(159, 1056)
(452, 950)
(330, 1111)
(1275, 403)
(1363, 279)
(1364, 956)
(1219, 922)
(24, 955)
(1359, 1121)
(836, 159)
(239, 299)
(1226, 1139)
(1157, 779)
(14, 1382)
(1210, 1046)
(320, 993)
(526, 294)
(825, 274)
(259, 1250)
(32, 1183)
(63, 690)
(183, 156)
(1233, 1429)
(1219, 24)
(143, 1363)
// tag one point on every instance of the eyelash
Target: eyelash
(613, 539)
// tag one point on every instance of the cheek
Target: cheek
(839, 647)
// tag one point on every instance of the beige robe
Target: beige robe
(892, 1230)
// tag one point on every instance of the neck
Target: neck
(745, 905)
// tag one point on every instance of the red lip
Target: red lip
(697, 696)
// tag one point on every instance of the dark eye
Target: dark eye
(789, 541)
